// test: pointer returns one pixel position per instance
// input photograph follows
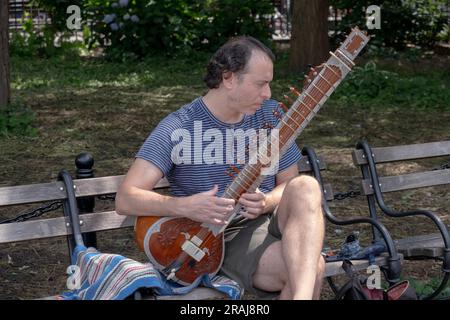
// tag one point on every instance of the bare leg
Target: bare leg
(272, 274)
(294, 265)
(301, 222)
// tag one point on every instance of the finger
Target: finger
(249, 215)
(223, 209)
(218, 221)
(250, 203)
(255, 210)
(224, 202)
(253, 196)
(213, 191)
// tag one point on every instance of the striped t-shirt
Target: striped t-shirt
(194, 149)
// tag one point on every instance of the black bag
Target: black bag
(356, 288)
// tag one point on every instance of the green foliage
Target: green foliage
(444, 35)
(417, 22)
(231, 18)
(131, 29)
(16, 119)
(31, 42)
(374, 88)
(424, 288)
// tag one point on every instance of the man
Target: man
(277, 249)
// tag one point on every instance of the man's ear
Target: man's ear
(228, 79)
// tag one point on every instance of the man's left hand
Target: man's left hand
(253, 204)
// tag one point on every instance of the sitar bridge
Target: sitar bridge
(191, 249)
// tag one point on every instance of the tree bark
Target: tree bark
(4, 54)
(309, 36)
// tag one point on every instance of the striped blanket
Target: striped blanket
(101, 276)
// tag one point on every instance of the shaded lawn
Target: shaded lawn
(108, 109)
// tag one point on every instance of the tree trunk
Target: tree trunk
(4, 54)
(309, 36)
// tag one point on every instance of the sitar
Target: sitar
(184, 250)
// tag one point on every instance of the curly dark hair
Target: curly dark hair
(233, 56)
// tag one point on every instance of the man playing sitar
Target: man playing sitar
(272, 223)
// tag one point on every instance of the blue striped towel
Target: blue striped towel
(103, 276)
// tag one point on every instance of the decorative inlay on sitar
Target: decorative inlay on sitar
(184, 250)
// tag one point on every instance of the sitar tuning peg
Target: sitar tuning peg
(283, 106)
(307, 78)
(267, 125)
(230, 174)
(293, 90)
(277, 114)
(288, 99)
(236, 170)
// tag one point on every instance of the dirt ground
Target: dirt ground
(35, 269)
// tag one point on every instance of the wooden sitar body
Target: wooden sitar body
(162, 240)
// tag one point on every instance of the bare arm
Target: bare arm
(135, 197)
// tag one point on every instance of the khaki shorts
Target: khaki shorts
(245, 242)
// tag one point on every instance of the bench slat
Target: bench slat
(406, 152)
(409, 181)
(429, 245)
(88, 187)
(55, 227)
(106, 185)
(52, 191)
(31, 193)
(199, 293)
(31, 230)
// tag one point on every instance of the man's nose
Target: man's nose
(267, 93)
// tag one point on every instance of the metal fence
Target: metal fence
(18, 9)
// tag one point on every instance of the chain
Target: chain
(107, 197)
(345, 195)
(445, 165)
(52, 206)
(35, 213)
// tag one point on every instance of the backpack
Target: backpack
(356, 288)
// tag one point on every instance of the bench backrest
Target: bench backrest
(90, 222)
(403, 153)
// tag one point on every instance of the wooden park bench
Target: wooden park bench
(374, 186)
(89, 223)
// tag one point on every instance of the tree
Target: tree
(4, 54)
(309, 36)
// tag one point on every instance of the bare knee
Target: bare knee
(304, 188)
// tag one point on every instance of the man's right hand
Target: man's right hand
(206, 207)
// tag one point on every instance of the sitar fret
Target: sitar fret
(316, 87)
(287, 125)
(324, 79)
(293, 120)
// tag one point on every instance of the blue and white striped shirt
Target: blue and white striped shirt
(205, 157)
